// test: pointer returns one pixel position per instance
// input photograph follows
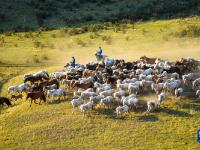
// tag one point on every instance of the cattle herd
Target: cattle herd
(112, 83)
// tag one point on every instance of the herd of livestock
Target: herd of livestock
(110, 82)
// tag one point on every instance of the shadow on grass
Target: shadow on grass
(176, 113)
(148, 118)
(195, 107)
(110, 113)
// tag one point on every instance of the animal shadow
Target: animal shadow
(176, 113)
(148, 118)
(107, 112)
(195, 107)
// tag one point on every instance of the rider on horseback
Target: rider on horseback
(73, 62)
(99, 52)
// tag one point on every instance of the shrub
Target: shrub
(36, 59)
(73, 31)
(8, 33)
(45, 57)
(189, 31)
(80, 42)
(38, 44)
(53, 35)
(107, 39)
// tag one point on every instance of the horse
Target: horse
(173, 70)
(148, 60)
(82, 85)
(16, 97)
(33, 79)
(36, 95)
(49, 82)
(5, 100)
(100, 57)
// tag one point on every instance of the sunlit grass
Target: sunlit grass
(54, 126)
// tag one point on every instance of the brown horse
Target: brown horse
(16, 97)
(49, 82)
(33, 79)
(5, 100)
(148, 60)
(82, 85)
(36, 95)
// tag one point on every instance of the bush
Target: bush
(45, 57)
(80, 42)
(53, 35)
(107, 39)
(189, 31)
(36, 59)
(73, 31)
(38, 44)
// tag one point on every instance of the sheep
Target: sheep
(51, 87)
(146, 84)
(76, 102)
(104, 88)
(187, 79)
(161, 97)
(56, 93)
(178, 92)
(157, 87)
(172, 85)
(107, 101)
(86, 107)
(66, 82)
(24, 87)
(148, 71)
(107, 93)
(175, 75)
(198, 94)
(119, 94)
(133, 89)
(86, 95)
(130, 101)
(151, 105)
(122, 86)
(120, 110)
(96, 99)
(196, 82)
(86, 80)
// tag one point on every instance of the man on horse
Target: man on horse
(99, 52)
(73, 62)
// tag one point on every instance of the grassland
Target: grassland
(53, 126)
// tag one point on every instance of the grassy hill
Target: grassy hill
(25, 15)
(53, 126)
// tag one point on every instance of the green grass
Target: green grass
(53, 126)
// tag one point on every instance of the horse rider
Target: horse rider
(73, 62)
(99, 52)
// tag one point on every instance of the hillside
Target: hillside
(26, 15)
(54, 126)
